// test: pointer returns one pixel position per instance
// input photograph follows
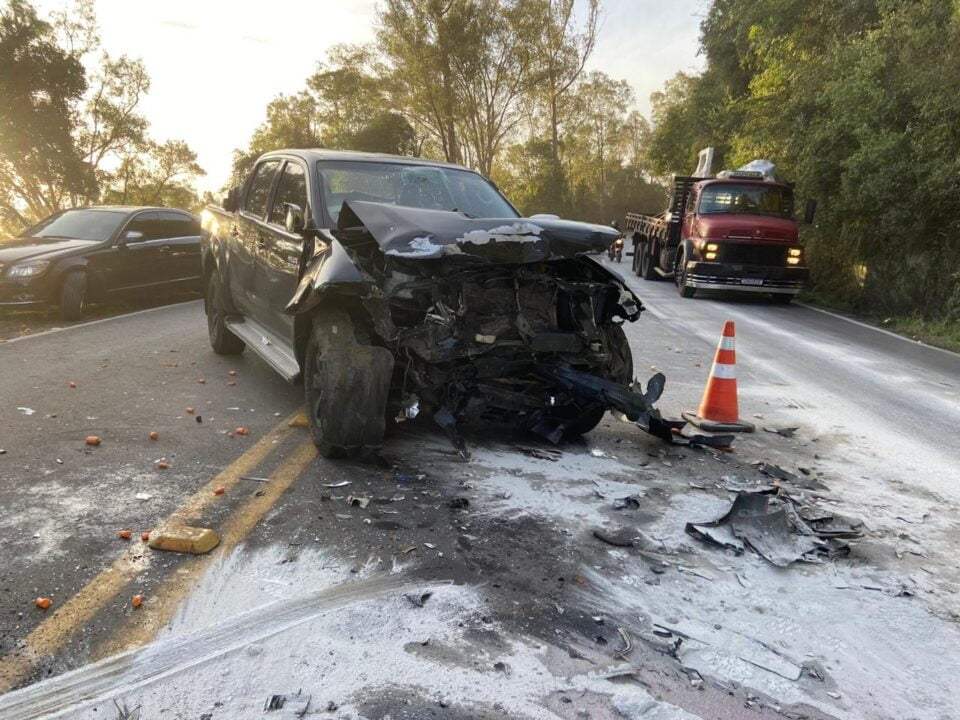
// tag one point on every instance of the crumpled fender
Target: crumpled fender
(629, 303)
(331, 269)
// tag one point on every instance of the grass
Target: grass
(938, 333)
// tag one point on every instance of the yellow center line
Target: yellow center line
(57, 628)
(141, 627)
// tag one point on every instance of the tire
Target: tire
(222, 341)
(72, 294)
(620, 370)
(346, 385)
(781, 299)
(647, 271)
(680, 276)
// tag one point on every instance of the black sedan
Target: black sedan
(97, 253)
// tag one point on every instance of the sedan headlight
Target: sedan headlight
(25, 270)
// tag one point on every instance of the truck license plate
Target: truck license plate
(751, 281)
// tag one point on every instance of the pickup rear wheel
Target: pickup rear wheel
(222, 341)
(680, 276)
(346, 384)
(647, 270)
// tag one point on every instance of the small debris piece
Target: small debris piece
(136, 600)
(418, 599)
(124, 713)
(299, 421)
(459, 503)
(242, 431)
(72, 384)
(627, 645)
(617, 538)
(360, 502)
(294, 705)
(43, 603)
(502, 667)
(125, 534)
(232, 373)
(163, 466)
(93, 440)
(342, 483)
(201, 381)
(142, 496)
(631, 502)
(409, 549)
(154, 435)
(255, 479)
(191, 411)
(184, 539)
(541, 453)
(431, 546)
(26, 410)
(231, 384)
(199, 418)
(580, 581)
(786, 432)
(220, 490)
(598, 453)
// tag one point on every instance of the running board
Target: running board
(663, 273)
(265, 344)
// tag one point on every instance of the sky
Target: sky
(215, 64)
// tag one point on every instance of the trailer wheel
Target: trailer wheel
(346, 384)
(680, 276)
(647, 270)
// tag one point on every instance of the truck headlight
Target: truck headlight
(712, 247)
(795, 252)
(30, 269)
(710, 256)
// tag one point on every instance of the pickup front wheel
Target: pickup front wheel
(346, 384)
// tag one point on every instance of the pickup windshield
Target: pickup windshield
(419, 186)
(81, 224)
(746, 198)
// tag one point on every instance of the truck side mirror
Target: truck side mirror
(231, 203)
(615, 224)
(809, 211)
(294, 220)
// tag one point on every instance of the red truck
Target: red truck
(733, 232)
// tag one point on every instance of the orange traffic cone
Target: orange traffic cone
(719, 410)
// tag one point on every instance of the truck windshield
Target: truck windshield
(752, 198)
(81, 224)
(419, 186)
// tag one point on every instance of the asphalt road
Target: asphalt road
(526, 608)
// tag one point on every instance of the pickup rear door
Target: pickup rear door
(248, 238)
(278, 264)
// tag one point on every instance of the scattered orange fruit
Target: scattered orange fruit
(145, 536)
(232, 373)
(191, 410)
(242, 431)
(154, 435)
(230, 435)
(72, 384)
(136, 600)
(125, 534)
(202, 381)
(43, 603)
(162, 466)
(220, 490)
(231, 384)
(93, 440)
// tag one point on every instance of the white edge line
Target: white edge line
(78, 326)
(868, 326)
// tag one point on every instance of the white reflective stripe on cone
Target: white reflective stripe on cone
(727, 343)
(724, 371)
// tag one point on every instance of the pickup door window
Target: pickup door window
(249, 239)
(278, 264)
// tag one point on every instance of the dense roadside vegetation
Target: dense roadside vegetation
(857, 101)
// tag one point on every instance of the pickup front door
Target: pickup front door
(278, 265)
(247, 240)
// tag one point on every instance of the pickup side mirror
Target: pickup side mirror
(809, 211)
(130, 236)
(294, 220)
(231, 203)
(615, 225)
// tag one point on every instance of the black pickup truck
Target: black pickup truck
(395, 287)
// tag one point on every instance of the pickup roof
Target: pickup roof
(382, 281)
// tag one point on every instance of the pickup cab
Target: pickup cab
(390, 284)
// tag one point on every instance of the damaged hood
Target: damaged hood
(419, 234)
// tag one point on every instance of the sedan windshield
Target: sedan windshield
(748, 198)
(419, 186)
(82, 224)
